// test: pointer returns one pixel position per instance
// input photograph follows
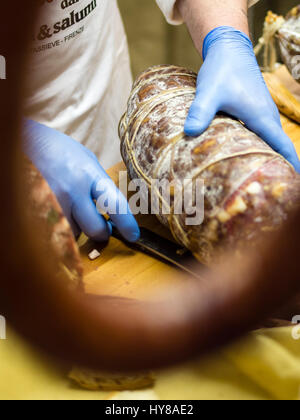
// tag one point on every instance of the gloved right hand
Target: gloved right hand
(230, 81)
(74, 174)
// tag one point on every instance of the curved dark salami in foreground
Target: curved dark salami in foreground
(249, 189)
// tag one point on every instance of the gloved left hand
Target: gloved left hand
(230, 81)
(77, 179)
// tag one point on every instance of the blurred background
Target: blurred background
(153, 41)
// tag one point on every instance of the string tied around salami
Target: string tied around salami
(249, 189)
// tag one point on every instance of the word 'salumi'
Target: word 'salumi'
(2, 328)
(2, 68)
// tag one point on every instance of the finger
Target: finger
(111, 201)
(272, 133)
(202, 112)
(89, 220)
(90, 153)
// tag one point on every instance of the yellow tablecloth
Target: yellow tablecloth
(265, 365)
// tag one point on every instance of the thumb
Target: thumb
(202, 112)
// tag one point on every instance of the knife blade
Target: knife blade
(163, 249)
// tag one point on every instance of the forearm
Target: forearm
(202, 16)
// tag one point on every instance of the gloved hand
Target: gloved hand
(230, 81)
(76, 177)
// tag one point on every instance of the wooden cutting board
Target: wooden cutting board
(121, 272)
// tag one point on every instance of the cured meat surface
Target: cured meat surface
(249, 188)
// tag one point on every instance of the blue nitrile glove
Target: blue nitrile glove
(230, 81)
(76, 177)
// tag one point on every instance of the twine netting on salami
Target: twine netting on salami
(287, 32)
(249, 189)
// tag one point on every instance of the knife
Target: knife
(162, 249)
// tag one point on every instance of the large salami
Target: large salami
(249, 189)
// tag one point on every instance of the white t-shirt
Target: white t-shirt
(172, 13)
(78, 78)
